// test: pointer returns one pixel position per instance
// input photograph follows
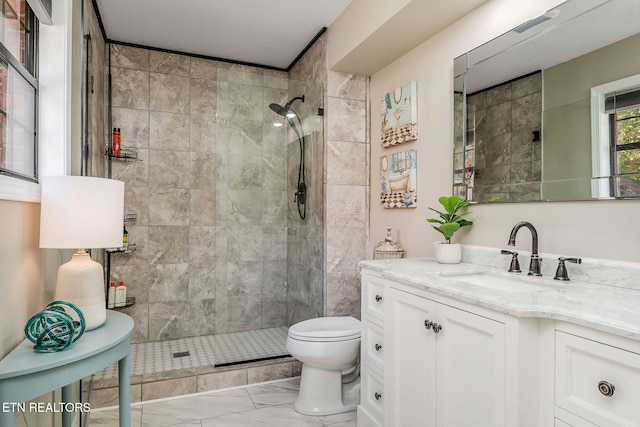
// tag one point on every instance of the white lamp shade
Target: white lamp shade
(81, 212)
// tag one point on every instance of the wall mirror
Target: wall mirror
(550, 111)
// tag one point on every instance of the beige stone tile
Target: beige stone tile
(346, 206)
(345, 248)
(130, 88)
(223, 379)
(169, 63)
(202, 206)
(346, 120)
(202, 136)
(205, 68)
(169, 93)
(341, 85)
(169, 207)
(176, 387)
(203, 95)
(271, 372)
(178, 319)
(346, 163)
(343, 293)
(167, 169)
(101, 398)
(170, 283)
(168, 131)
(134, 126)
(129, 57)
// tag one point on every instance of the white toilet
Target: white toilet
(329, 349)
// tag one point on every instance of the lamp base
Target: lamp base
(81, 282)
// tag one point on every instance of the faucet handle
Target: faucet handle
(561, 271)
(514, 267)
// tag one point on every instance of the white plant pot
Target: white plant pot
(448, 253)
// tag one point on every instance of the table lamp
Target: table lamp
(79, 212)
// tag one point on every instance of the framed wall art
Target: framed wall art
(399, 117)
(398, 179)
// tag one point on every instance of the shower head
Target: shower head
(279, 109)
(282, 111)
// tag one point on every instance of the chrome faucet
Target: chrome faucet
(534, 264)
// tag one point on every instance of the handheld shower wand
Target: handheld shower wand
(300, 196)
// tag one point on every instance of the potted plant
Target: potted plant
(450, 220)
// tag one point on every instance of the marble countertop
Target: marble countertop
(607, 308)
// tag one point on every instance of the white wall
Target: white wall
(587, 229)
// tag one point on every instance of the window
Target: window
(624, 125)
(18, 86)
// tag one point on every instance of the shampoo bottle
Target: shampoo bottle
(111, 299)
(115, 145)
(121, 295)
(125, 237)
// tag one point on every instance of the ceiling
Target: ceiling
(270, 33)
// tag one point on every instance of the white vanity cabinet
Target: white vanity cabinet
(445, 366)
(597, 378)
(443, 362)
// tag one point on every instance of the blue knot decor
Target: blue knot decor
(53, 329)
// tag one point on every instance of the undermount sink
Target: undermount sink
(498, 282)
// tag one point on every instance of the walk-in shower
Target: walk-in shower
(300, 195)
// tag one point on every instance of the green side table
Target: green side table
(25, 374)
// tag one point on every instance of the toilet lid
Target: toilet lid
(326, 329)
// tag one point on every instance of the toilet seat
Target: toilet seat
(325, 329)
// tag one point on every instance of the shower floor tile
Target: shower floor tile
(250, 345)
(208, 350)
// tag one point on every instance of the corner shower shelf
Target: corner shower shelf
(131, 301)
(129, 249)
(126, 153)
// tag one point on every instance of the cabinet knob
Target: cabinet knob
(378, 347)
(427, 324)
(436, 327)
(377, 395)
(378, 298)
(606, 388)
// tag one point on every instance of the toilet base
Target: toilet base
(323, 393)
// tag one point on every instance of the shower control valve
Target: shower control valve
(300, 196)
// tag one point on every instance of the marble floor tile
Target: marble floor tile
(261, 405)
(271, 394)
(189, 409)
(109, 417)
(280, 416)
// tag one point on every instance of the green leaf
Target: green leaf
(447, 230)
(439, 221)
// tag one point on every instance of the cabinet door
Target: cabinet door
(410, 365)
(471, 370)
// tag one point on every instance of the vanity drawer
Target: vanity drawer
(372, 345)
(373, 296)
(372, 393)
(596, 381)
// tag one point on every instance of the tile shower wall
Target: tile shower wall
(505, 117)
(346, 180)
(210, 194)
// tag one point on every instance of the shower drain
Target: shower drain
(180, 354)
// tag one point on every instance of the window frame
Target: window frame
(28, 72)
(601, 140)
(616, 148)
